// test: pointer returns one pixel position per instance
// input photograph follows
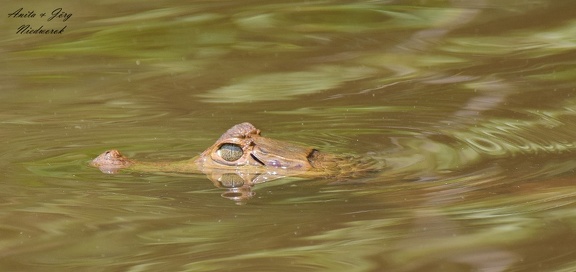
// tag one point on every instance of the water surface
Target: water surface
(475, 98)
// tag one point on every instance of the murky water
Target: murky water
(471, 103)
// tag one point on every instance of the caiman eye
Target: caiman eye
(230, 152)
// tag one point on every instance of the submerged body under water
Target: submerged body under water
(464, 111)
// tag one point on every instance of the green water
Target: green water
(474, 101)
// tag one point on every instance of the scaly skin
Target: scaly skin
(242, 157)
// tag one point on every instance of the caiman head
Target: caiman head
(242, 156)
(240, 151)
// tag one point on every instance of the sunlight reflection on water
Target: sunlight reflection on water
(472, 98)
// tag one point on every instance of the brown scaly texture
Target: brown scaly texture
(261, 157)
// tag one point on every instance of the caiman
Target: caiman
(242, 157)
